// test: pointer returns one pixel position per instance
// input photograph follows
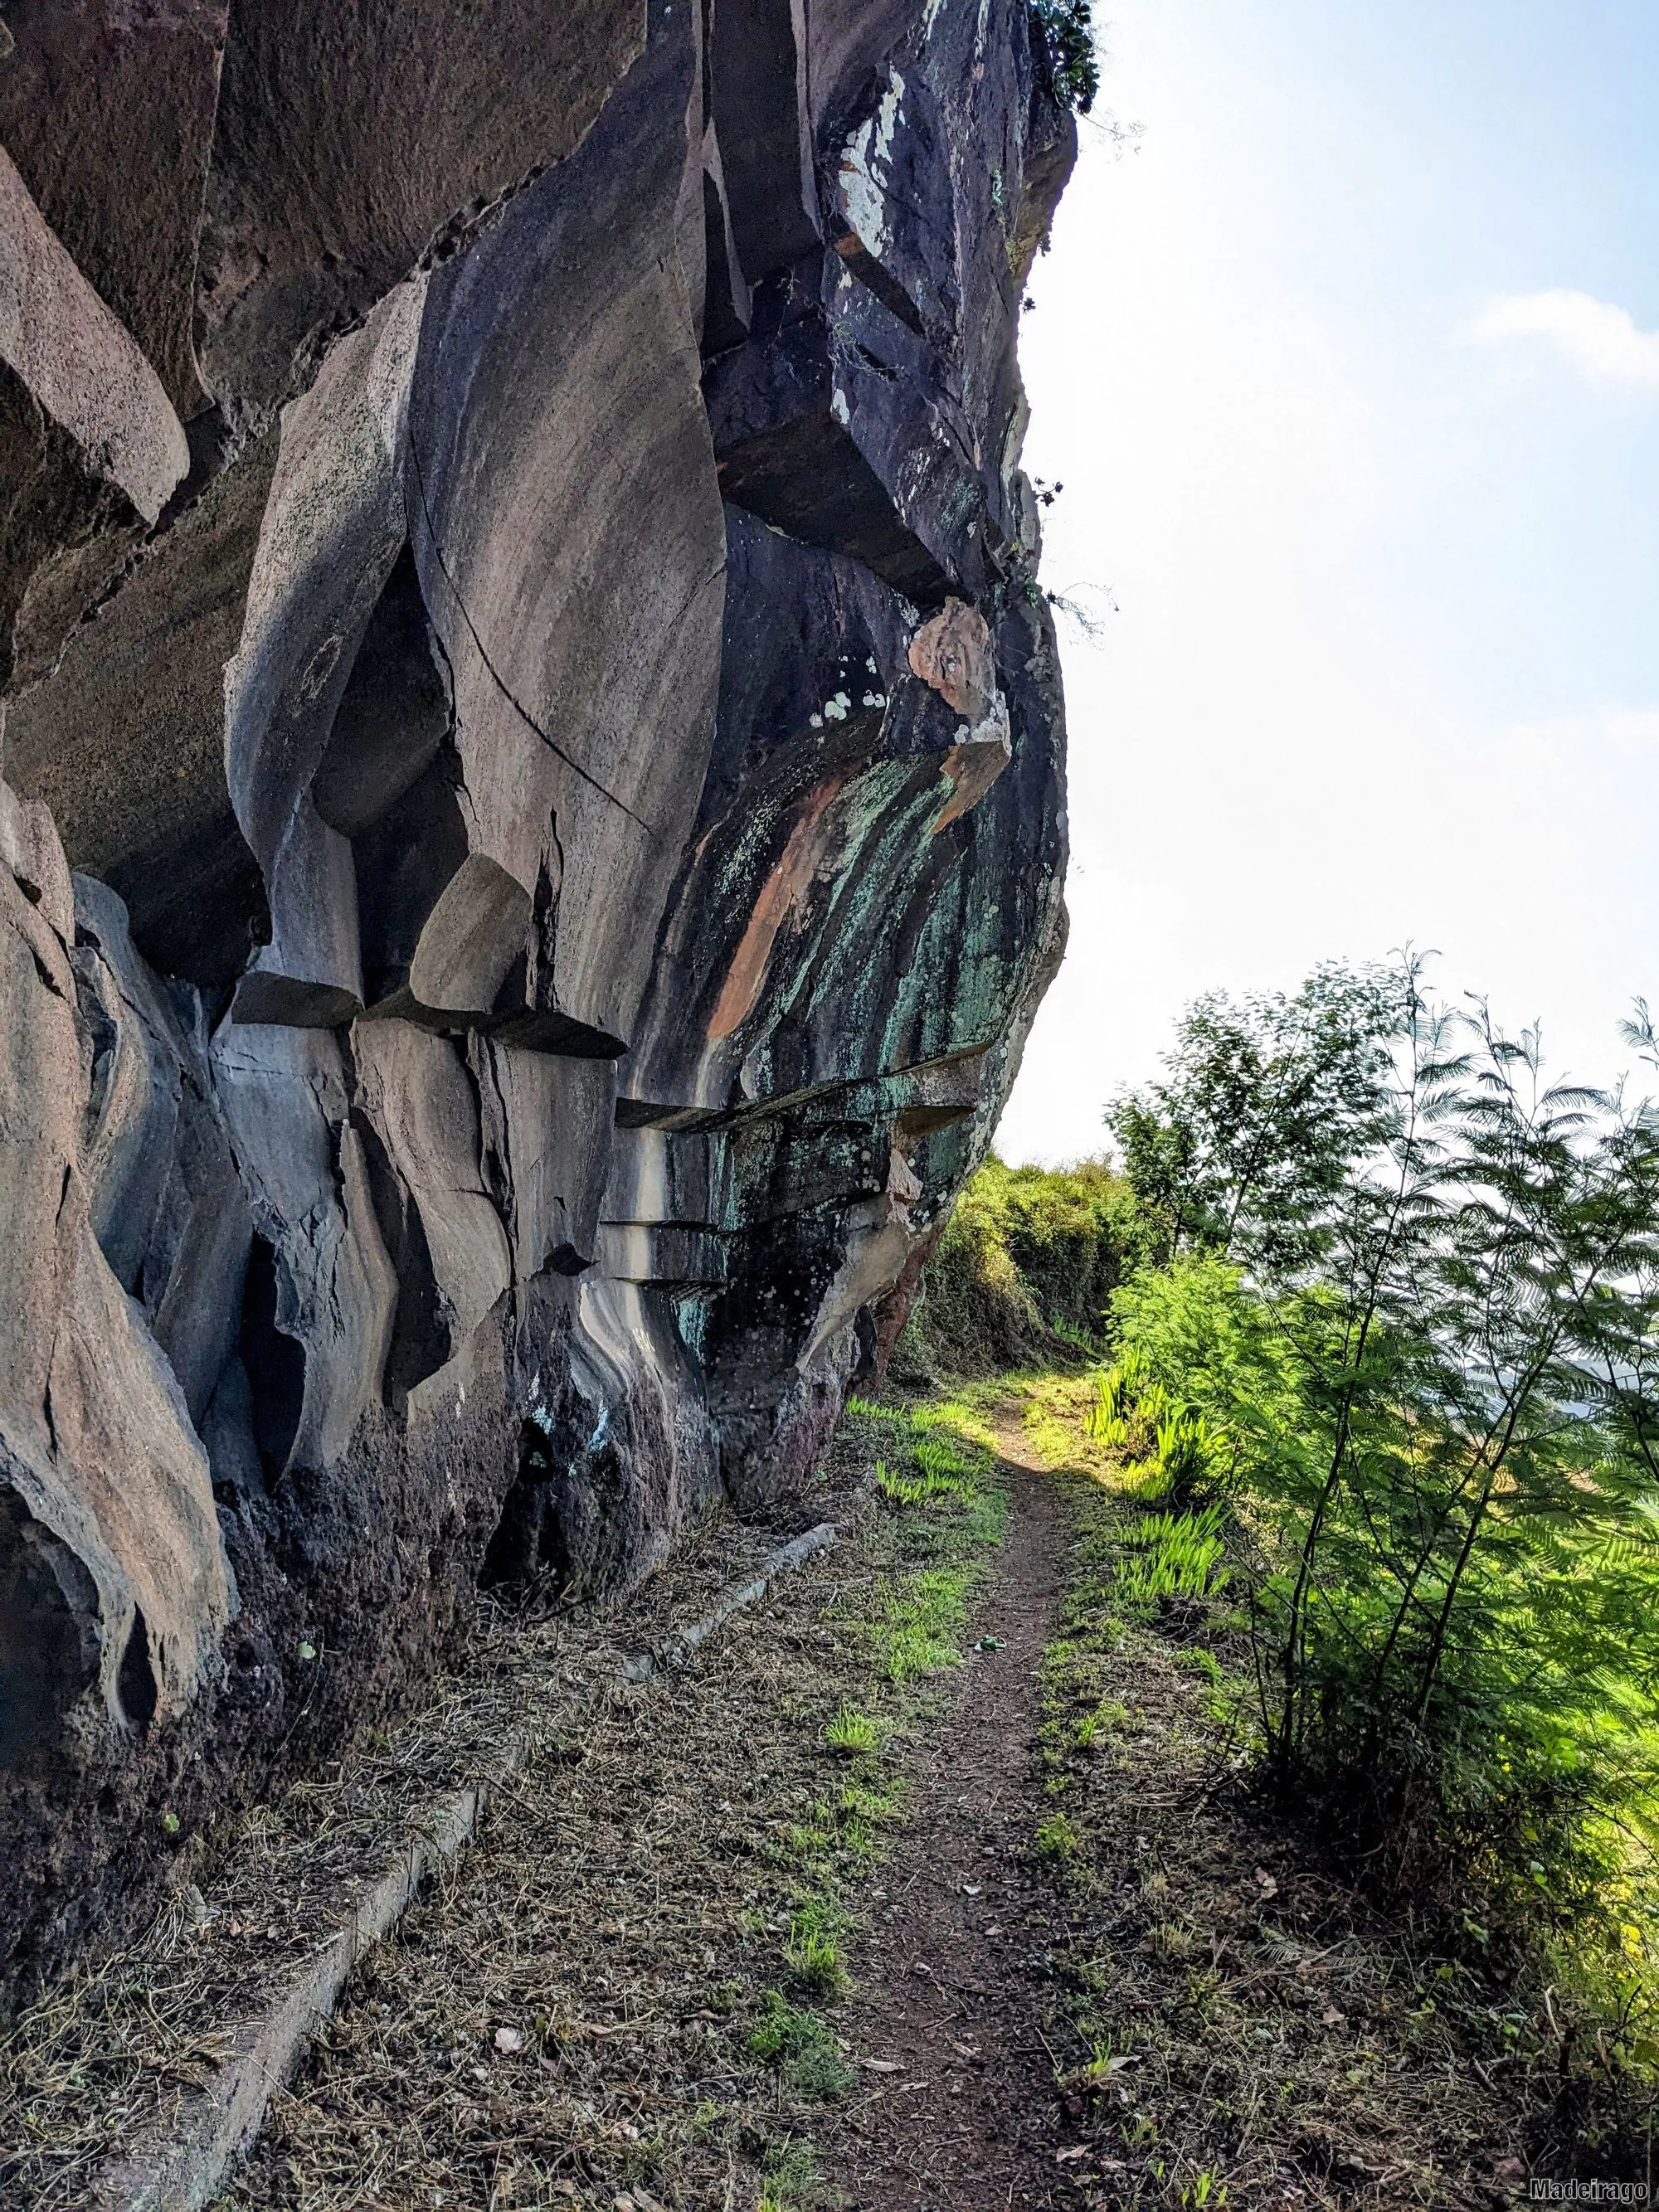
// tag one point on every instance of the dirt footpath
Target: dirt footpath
(634, 1995)
(960, 2116)
(763, 1932)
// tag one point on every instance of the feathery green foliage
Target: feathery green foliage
(1268, 1099)
(1409, 1325)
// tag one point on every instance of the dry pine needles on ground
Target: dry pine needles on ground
(109, 2055)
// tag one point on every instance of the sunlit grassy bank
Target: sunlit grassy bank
(1245, 1999)
(1358, 1353)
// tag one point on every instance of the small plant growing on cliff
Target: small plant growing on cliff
(1068, 29)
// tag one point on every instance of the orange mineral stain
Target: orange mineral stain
(791, 876)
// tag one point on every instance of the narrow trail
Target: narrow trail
(610, 2002)
(947, 1978)
(605, 2004)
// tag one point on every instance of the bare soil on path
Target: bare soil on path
(607, 2007)
(950, 1979)
(610, 2003)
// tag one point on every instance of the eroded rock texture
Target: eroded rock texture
(532, 828)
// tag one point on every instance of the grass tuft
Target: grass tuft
(803, 2047)
(813, 1957)
(851, 1733)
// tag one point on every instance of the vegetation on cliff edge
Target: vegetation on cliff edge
(1378, 1306)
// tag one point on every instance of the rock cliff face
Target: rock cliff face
(532, 828)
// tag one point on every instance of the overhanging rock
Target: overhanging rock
(532, 830)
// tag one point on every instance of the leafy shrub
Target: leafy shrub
(1068, 28)
(1030, 1255)
(1418, 1341)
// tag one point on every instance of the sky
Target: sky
(1349, 372)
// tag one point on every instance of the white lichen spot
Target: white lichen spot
(838, 407)
(873, 670)
(835, 709)
(816, 721)
(874, 699)
(865, 162)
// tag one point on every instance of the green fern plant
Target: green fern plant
(1176, 1555)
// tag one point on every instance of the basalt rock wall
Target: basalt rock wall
(533, 825)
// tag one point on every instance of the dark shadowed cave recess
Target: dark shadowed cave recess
(533, 829)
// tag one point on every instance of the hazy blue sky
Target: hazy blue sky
(1351, 375)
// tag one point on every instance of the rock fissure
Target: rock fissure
(494, 674)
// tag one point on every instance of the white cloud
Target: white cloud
(1599, 340)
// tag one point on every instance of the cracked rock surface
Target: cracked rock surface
(532, 828)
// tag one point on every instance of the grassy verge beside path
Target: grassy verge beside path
(1239, 2023)
(629, 1997)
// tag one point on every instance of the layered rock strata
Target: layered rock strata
(533, 829)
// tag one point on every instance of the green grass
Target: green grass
(917, 1631)
(813, 1957)
(803, 2047)
(937, 1470)
(792, 2181)
(851, 1733)
(943, 1513)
